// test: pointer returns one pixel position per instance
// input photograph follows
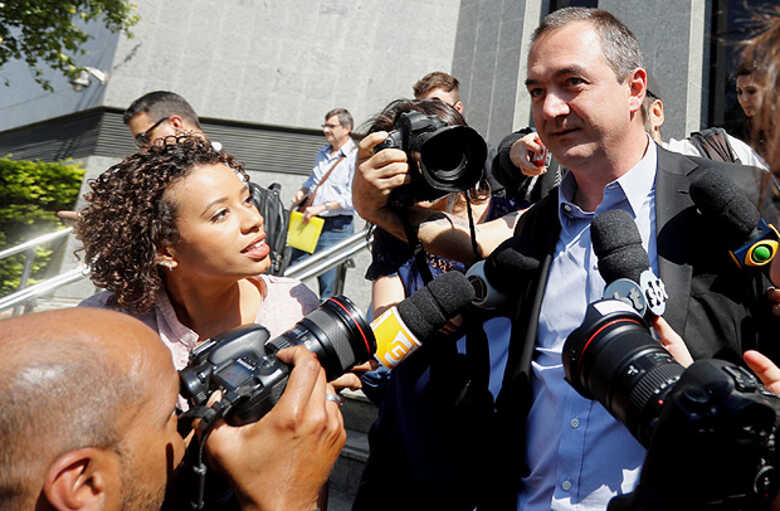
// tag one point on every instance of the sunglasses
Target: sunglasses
(142, 139)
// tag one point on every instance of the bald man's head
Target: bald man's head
(70, 380)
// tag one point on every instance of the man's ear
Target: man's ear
(86, 479)
(657, 112)
(176, 122)
(637, 84)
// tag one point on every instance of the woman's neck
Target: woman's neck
(478, 208)
(211, 308)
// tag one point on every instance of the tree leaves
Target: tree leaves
(31, 193)
(43, 32)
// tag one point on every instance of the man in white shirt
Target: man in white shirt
(327, 192)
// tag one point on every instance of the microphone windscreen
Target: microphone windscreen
(618, 246)
(429, 309)
(506, 268)
(719, 199)
(452, 291)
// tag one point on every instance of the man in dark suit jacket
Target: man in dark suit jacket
(587, 84)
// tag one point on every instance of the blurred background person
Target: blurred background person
(327, 192)
(749, 84)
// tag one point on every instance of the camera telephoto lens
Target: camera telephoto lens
(613, 359)
(336, 332)
(242, 363)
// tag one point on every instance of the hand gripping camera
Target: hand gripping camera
(242, 363)
(442, 158)
(710, 429)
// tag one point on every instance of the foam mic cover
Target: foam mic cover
(505, 267)
(618, 246)
(402, 329)
(429, 309)
(719, 199)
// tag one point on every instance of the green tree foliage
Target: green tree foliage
(43, 32)
(31, 193)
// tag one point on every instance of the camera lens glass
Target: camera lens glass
(336, 332)
(612, 358)
(452, 158)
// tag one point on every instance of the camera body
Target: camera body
(714, 415)
(239, 365)
(242, 363)
(442, 158)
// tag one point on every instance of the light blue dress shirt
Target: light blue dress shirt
(579, 456)
(338, 186)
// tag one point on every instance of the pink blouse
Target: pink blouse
(285, 301)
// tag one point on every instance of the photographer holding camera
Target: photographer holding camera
(587, 84)
(89, 422)
(420, 417)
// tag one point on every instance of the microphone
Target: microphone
(493, 278)
(750, 240)
(624, 265)
(400, 330)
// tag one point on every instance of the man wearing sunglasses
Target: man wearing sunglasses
(161, 114)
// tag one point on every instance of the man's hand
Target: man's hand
(529, 155)
(313, 211)
(773, 295)
(297, 198)
(376, 176)
(282, 460)
(672, 341)
(69, 217)
(764, 368)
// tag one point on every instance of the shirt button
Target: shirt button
(566, 485)
(575, 423)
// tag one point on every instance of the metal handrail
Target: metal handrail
(323, 266)
(311, 267)
(40, 240)
(300, 270)
(42, 288)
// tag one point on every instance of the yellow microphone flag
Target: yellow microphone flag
(394, 341)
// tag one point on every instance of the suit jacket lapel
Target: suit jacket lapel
(673, 243)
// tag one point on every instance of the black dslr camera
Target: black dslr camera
(710, 429)
(242, 363)
(451, 158)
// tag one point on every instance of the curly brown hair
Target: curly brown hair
(128, 218)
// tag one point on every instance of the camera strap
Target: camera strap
(472, 229)
(416, 248)
(209, 417)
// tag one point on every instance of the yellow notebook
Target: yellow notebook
(304, 236)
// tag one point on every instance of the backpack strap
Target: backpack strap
(713, 144)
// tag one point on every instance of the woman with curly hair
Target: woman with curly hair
(173, 236)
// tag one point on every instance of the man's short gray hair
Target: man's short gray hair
(618, 44)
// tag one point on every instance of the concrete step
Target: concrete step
(359, 414)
